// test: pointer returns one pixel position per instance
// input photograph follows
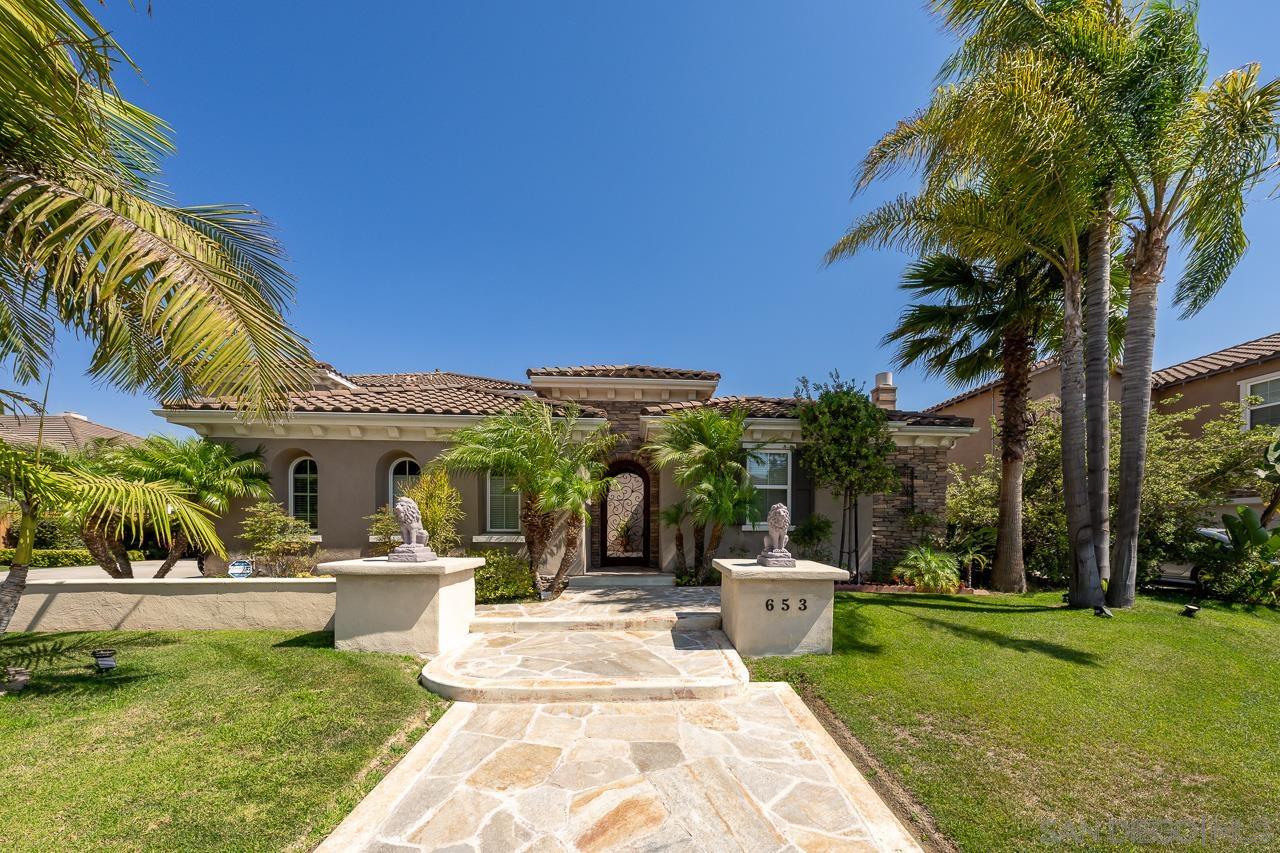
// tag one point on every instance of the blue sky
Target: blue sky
(486, 187)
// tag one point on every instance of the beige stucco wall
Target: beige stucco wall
(304, 604)
(983, 407)
(353, 484)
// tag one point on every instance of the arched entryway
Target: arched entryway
(624, 513)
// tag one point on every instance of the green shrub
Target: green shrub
(505, 576)
(810, 538)
(56, 558)
(930, 570)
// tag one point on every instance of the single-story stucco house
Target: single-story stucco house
(350, 439)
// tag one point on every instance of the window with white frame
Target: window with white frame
(403, 475)
(1265, 410)
(770, 472)
(304, 491)
(503, 514)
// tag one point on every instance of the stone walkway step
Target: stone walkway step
(688, 608)
(756, 772)
(597, 579)
(590, 666)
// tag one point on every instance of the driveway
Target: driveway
(141, 569)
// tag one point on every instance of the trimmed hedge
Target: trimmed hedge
(56, 558)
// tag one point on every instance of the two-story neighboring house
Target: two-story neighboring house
(1247, 373)
(349, 441)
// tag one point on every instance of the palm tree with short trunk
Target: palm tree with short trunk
(211, 473)
(558, 467)
(980, 321)
(705, 451)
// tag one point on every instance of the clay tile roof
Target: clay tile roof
(433, 379)
(785, 407)
(68, 431)
(624, 371)
(407, 399)
(1250, 352)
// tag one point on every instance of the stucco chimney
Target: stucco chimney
(885, 394)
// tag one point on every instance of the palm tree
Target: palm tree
(127, 506)
(176, 301)
(981, 321)
(704, 448)
(210, 473)
(558, 470)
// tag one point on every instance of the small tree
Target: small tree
(846, 447)
(441, 508)
(1269, 475)
(277, 541)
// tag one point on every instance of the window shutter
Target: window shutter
(802, 499)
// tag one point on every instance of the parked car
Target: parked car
(240, 569)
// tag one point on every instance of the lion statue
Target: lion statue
(775, 543)
(414, 547)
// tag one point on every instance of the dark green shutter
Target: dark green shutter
(801, 490)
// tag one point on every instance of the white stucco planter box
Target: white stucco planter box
(409, 608)
(778, 611)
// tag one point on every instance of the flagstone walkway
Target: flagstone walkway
(561, 746)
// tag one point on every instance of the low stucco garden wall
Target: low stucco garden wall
(305, 604)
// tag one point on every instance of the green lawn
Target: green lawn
(1007, 715)
(233, 740)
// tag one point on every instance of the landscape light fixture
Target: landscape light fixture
(104, 660)
(1190, 611)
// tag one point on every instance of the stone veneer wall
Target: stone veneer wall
(924, 473)
(624, 418)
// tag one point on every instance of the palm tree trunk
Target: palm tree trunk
(1135, 409)
(95, 541)
(1085, 589)
(16, 581)
(1097, 354)
(572, 541)
(1009, 574)
(717, 534)
(682, 564)
(121, 555)
(699, 551)
(534, 525)
(177, 547)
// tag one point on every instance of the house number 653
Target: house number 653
(785, 604)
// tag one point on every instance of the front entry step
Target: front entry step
(685, 608)
(598, 578)
(589, 666)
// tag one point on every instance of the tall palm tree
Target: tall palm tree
(705, 451)
(210, 473)
(980, 321)
(127, 506)
(557, 467)
(175, 301)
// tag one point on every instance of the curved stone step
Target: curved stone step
(595, 666)
(680, 609)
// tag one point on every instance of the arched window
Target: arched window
(403, 475)
(304, 491)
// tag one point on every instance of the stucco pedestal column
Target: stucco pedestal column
(778, 611)
(410, 608)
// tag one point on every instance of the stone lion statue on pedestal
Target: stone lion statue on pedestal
(414, 544)
(775, 551)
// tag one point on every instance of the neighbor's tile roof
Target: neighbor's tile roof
(624, 371)
(1250, 352)
(409, 400)
(434, 378)
(785, 407)
(68, 431)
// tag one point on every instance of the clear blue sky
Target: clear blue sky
(486, 187)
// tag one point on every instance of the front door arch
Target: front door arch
(624, 513)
